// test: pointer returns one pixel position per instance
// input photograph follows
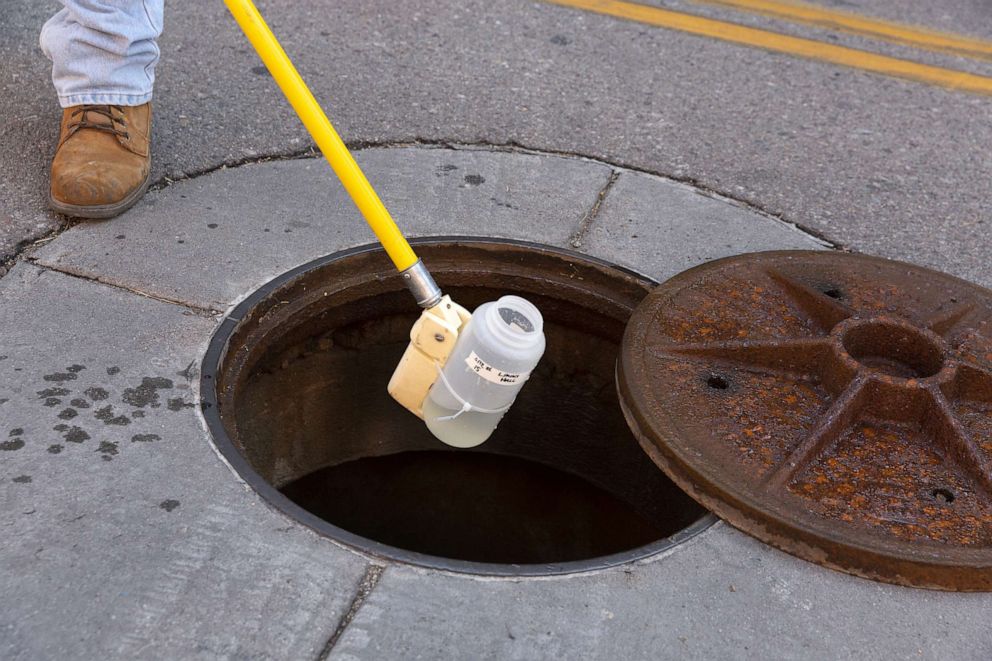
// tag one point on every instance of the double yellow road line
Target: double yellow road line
(815, 50)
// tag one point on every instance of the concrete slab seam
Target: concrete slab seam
(590, 217)
(195, 309)
(366, 585)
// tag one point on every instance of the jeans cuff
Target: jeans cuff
(104, 98)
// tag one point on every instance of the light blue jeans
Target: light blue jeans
(103, 51)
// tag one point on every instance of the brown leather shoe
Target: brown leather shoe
(102, 165)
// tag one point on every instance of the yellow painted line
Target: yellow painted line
(780, 43)
(801, 12)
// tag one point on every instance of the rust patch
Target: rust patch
(836, 406)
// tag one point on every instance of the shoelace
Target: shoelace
(104, 110)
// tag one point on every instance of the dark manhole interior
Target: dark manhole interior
(295, 390)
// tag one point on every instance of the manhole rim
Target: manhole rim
(213, 359)
(772, 524)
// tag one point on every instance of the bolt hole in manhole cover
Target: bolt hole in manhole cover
(294, 390)
(836, 406)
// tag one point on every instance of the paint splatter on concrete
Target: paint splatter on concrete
(61, 377)
(53, 392)
(189, 372)
(96, 393)
(108, 449)
(106, 415)
(146, 394)
(178, 404)
(76, 435)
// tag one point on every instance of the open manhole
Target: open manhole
(294, 390)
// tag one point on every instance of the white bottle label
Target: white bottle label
(493, 375)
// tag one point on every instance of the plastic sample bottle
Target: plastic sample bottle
(492, 358)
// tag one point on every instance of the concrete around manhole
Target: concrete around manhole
(296, 386)
(126, 535)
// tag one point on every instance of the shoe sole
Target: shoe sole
(101, 211)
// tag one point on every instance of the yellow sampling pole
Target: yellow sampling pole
(333, 148)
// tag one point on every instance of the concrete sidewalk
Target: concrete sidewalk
(126, 536)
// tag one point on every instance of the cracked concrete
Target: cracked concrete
(205, 312)
(365, 587)
(587, 221)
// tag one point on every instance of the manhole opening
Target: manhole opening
(563, 484)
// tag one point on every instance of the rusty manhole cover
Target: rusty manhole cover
(836, 406)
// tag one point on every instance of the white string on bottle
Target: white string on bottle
(466, 405)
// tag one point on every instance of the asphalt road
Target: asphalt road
(870, 162)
